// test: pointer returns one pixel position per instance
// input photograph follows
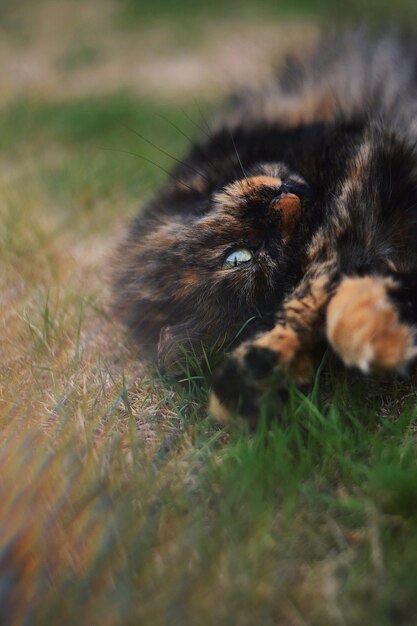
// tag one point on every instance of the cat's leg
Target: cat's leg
(280, 354)
(370, 322)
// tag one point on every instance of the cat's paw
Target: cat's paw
(239, 383)
(364, 329)
(264, 364)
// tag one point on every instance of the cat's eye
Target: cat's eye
(237, 257)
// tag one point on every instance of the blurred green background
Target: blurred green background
(75, 73)
(374, 10)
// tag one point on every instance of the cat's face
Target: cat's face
(197, 277)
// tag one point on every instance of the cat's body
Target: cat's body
(299, 212)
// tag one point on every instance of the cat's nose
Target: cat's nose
(282, 201)
(282, 189)
(290, 211)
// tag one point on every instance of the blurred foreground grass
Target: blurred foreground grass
(121, 502)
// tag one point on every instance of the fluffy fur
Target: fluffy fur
(317, 178)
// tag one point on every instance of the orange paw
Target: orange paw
(281, 340)
(363, 326)
(218, 411)
(284, 342)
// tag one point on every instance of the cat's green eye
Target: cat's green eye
(237, 257)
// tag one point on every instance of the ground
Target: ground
(122, 502)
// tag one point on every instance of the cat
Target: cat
(290, 228)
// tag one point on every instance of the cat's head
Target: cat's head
(202, 262)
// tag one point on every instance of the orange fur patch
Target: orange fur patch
(244, 187)
(302, 367)
(363, 326)
(282, 340)
(289, 206)
(304, 311)
(249, 185)
(190, 280)
(218, 411)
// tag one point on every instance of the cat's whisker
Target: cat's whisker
(190, 140)
(144, 158)
(202, 115)
(237, 155)
(171, 123)
(151, 143)
(200, 128)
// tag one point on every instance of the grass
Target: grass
(101, 152)
(311, 520)
(122, 501)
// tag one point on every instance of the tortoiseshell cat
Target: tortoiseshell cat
(299, 211)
